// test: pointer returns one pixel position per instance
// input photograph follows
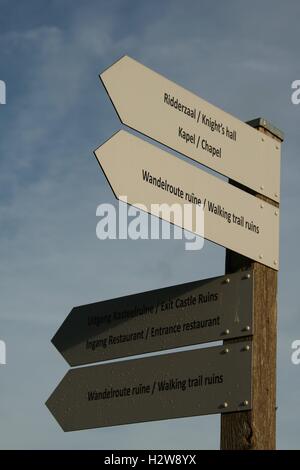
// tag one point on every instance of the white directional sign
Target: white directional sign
(173, 116)
(141, 173)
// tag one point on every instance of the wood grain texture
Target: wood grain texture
(256, 429)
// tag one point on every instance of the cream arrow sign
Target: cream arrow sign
(142, 174)
(175, 117)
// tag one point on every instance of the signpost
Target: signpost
(182, 384)
(256, 429)
(149, 176)
(193, 313)
(175, 117)
(237, 379)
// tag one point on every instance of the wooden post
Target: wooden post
(256, 429)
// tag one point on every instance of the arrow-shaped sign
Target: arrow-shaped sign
(173, 116)
(141, 173)
(192, 313)
(189, 383)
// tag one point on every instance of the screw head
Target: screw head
(260, 256)
(276, 212)
(262, 139)
(227, 280)
(247, 328)
(262, 187)
(225, 404)
(226, 350)
(261, 206)
(227, 332)
(275, 262)
(248, 276)
(245, 403)
(247, 347)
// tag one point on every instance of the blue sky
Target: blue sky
(241, 56)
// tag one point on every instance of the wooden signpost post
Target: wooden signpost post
(238, 379)
(256, 429)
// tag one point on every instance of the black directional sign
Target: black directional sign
(182, 384)
(197, 312)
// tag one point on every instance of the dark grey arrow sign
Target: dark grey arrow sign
(182, 384)
(197, 312)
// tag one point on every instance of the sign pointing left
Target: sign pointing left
(175, 117)
(142, 174)
(182, 384)
(173, 317)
